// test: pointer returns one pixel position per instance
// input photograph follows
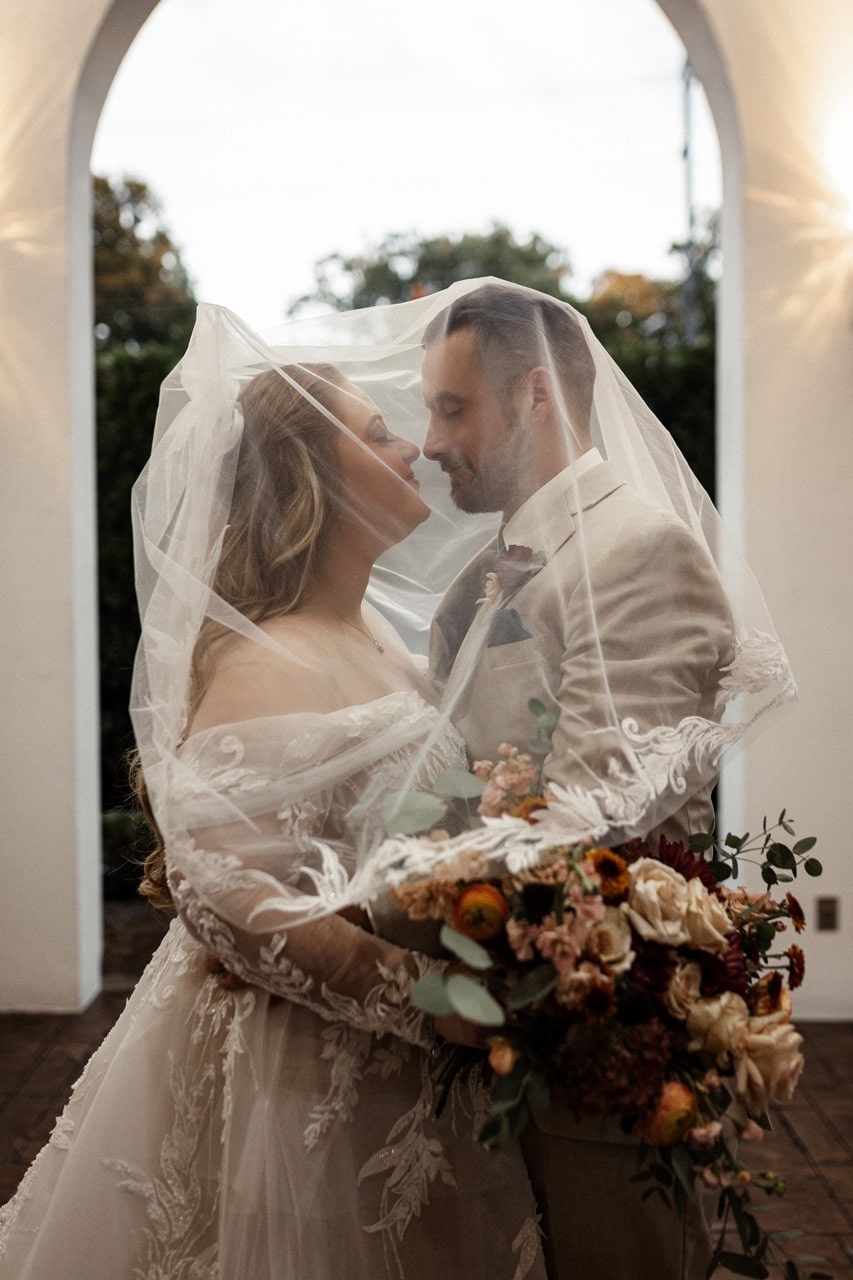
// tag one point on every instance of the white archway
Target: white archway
(57, 69)
(785, 350)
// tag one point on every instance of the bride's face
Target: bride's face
(380, 489)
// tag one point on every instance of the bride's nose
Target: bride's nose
(409, 450)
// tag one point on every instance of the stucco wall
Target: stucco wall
(50, 914)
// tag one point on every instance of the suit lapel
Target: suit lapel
(456, 612)
(458, 608)
(558, 523)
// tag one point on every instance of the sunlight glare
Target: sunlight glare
(838, 154)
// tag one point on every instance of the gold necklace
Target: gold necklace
(362, 631)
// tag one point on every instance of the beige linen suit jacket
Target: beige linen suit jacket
(662, 621)
(665, 632)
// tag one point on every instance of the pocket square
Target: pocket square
(506, 628)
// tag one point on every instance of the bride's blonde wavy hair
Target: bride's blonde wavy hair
(287, 486)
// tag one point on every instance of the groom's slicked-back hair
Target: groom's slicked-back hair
(518, 331)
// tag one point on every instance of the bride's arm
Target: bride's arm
(235, 883)
(331, 966)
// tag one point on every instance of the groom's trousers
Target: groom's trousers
(596, 1225)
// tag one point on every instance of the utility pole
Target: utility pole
(690, 295)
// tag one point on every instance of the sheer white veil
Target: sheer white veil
(636, 620)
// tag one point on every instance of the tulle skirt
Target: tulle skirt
(219, 1135)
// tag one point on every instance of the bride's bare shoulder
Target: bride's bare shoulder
(283, 671)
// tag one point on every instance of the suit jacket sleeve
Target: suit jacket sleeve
(663, 629)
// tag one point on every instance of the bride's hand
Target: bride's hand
(458, 1031)
(225, 979)
(357, 916)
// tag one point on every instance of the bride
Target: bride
(284, 1129)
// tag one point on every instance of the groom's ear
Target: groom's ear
(539, 392)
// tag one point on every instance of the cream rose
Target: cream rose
(609, 942)
(706, 920)
(684, 989)
(657, 902)
(771, 1063)
(719, 1026)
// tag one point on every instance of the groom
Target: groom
(508, 381)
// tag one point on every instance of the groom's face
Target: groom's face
(474, 433)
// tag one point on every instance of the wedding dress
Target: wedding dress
(285, 1130)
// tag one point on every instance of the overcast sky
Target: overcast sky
(277, 132)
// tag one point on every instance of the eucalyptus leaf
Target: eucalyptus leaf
(471, 1000)
(406, 813)
(459, 784)
(465, 949)
(511, 1085)
(495, 1133)
(701, 842)
(538, 1093)
(430, 994)
(518, 1120)
(779, 855)
(536, 707)
(720, 871)
(813, 867)
(804, 845)
(532, 987)
(682, 1167)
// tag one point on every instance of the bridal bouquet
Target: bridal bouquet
(628, 982)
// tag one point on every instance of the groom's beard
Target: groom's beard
(492, 483)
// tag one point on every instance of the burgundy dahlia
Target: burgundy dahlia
(726, 972)
(687, 864)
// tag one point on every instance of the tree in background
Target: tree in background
(144, 313)
(644, 326)
(640, 321)
(142, 292)
(403, 267)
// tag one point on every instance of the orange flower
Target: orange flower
(766, 996)
(502, 1055)
(480, 912)
(674, 1114)
(796, 966)
(795, 911)
(612, 870)
(528, 806)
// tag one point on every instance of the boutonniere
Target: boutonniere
(512, 569)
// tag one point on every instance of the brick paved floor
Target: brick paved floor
(812, 1143)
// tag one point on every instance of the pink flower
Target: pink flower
(575, 987)
(515, 566)
(704, 1135)
(521, 937)
(491, 588)
(555, 943)
(713, 1177)
(588, 907)
(751, 1132)
(426, 899)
